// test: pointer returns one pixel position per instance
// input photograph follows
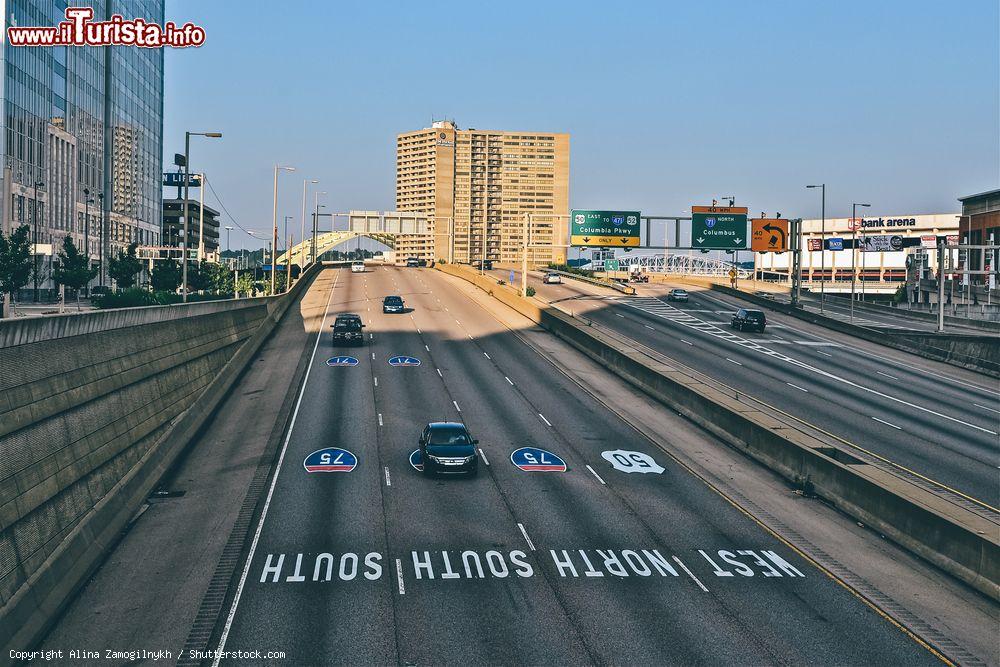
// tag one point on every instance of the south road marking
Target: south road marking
(483, 454)
(594, 473)
(399, 577)
(690, 574)
(526, 538)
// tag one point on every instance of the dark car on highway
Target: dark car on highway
(347, 329)
(447, 447)
(393, 304)
(749, 319)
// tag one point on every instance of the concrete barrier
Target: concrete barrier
(975, 352)
(94, 410)
(955, 539)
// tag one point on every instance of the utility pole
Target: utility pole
(940, 267)
(187, 170)
(854, 250)
(201, 219)
(302, 237)
(796, 261)
(274, 225)
(288, 262)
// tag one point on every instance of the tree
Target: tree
(124, 268)
(74, 270)
(166, 275)
(199, 277)
(244, 285)
(222, 279)
(15, 264)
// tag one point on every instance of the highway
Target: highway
(940, 424)
(381, 565)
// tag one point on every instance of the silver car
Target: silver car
(552, 279)
(677, 295)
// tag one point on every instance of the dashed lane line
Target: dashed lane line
(388, 481)
(511, 382)
(456, 406)
(399, 577)
(547, 423)
(797, 387)
(526, 538)
(594, 473)
(483, 454)
(690, 574)
(882, 421)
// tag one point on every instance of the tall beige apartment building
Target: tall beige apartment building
(477, 185)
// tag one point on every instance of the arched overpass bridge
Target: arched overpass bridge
(326, 241)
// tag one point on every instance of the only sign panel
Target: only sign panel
(769, 234)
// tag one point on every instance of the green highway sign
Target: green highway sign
(604, 229)
(719, 228)
(611, 265)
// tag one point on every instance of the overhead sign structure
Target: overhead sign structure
(769, 235)
(176, 178)
(342, 361)
(627, 461)
(532, 459)
(604, 229)
(881, 243)
(835, 244)
(330, 459)
(403, 361)
(720, 228)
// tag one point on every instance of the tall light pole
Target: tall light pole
(302, 234)
(228, 229)
(312, 255)
(854, 250)
(274, 219)
(822, 249)
(187, 168)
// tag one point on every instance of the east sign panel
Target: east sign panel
(604, 229)
(719, 228)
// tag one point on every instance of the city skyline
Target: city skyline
(671, 117)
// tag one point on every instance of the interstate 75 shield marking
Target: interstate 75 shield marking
(342, 361)
(330, 459)
(532, 459)
(402, 360)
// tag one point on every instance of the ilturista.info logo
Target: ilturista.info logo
(80, 29)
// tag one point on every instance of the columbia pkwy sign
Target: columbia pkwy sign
(604, 229)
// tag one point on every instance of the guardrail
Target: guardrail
(956, 539)
(624, 289)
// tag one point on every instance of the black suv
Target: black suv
(447, 447)
(347, 329)
(393, 304)
(749, 319)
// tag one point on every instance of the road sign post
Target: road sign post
(719, 228)
(604, 229)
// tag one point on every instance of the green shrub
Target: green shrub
(128, 298)
(566, 268)
(530, 291)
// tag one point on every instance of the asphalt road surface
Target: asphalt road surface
(381, 565)
(941, 426)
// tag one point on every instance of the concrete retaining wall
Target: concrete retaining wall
(94, 409)
(957, 540)
(978, 353)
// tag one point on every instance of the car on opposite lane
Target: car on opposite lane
(744, 319)
(393, 304)
(552, 279)
(357, 267)
(448, 448)
(677, 295)
(347, 329)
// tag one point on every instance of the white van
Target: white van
(357, 267)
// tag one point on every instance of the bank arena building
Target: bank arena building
(881, 271)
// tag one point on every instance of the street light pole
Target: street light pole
(302, 234)
(187, 169)
(201, 218)
(854, 250)
(228, 229)
(274, 224)
(312, 255)
(822, 249)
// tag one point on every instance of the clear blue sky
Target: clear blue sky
(892, 102)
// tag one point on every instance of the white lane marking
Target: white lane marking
(797, 387)
(380, 419)
(511, 382)
(371, 336)
(274, 480)
(439, 372)
(686, 342)
(427, 348)
(526, 538)
(483, 454)
(376, 381)
(373, 356)
(544, 419)
(418, 331)
(486, 355)
(470, 337)
(891, 377)
(986, 408)
(594, 473)
(825, 354)
(619, 315)
(690, 574)
(399, 577)
(649, 327)
(456, 406)
(388, 482)
(898, 428)
(733, 361)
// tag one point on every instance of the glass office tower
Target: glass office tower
(82, 141)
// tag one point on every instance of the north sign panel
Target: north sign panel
(604, 229)
(719, 228)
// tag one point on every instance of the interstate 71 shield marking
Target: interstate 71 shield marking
(402, 360)
(342, 361)
(330, 459)
(532, 459)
